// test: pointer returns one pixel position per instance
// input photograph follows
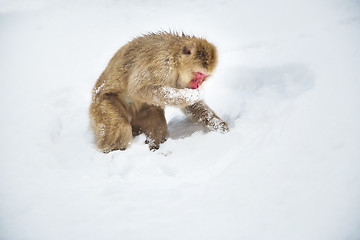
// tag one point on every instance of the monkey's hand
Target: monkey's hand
(217, 124)
(202, 113)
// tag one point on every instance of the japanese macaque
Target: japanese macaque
(144, 76)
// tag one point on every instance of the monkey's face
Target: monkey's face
(198, 60)
(192, 78)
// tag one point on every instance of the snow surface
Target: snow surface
(288, 83)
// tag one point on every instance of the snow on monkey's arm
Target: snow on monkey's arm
(164, 95)
(180, 97)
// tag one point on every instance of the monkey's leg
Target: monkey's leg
(202, 113)
(109, 120)
(151, 121)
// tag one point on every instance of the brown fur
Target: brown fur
(130, 95)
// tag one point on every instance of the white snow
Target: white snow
(288, 83)
(99, 88)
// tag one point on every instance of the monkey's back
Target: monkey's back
(154, 53)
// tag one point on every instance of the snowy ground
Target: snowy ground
(288, 83)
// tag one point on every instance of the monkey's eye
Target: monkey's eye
(186, 50)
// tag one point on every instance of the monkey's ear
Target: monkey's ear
(188, 49)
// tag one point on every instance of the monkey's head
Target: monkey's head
(198, 60)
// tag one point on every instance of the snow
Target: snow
(173, 95)
(287, 83)
(99, 88)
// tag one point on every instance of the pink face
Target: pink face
(198, 79)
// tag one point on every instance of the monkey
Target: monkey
(146, 74)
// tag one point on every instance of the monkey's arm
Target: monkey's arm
(202, 113)
(162, 95)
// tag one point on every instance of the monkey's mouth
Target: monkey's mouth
(198, 79)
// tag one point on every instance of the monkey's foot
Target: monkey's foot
(154, 144)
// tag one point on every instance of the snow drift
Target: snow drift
(287, 83)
